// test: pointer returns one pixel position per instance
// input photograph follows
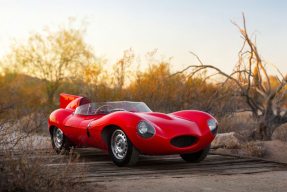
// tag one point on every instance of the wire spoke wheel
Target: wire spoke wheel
(121, 149)
(60, 143)
(119, 144)
(58, 138)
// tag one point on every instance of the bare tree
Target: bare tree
(250, 83)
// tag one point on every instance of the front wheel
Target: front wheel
(121, 149)
(196, 157)
(60, 143)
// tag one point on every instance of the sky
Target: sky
(173, 27)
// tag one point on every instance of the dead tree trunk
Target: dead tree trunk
(253, 87)
(266, 127)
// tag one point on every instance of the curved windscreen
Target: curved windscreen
(109, 107)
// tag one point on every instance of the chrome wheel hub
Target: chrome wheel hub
(58, 138)
(119, 144)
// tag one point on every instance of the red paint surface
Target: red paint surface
(167, 127)
(65, 99)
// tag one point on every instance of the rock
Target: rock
(280, 133)
(230, 140)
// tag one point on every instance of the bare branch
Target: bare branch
(179, 72)
(275, 68)
(196, 57)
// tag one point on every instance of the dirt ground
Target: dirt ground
(269, 181)
(263, 181)
(274, 150)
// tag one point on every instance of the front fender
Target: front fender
(127, 121)
(199, 117)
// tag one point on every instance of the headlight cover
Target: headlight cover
(145, 129)
(212, 124)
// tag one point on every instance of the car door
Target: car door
(93, 140)
(74, 133)
(78, 127)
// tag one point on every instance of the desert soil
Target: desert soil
(269, 181)
(263, 181)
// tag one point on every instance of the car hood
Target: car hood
(171, 126)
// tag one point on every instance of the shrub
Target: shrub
(24, 166)
(29, 169)
(241, 123)
(256, 149)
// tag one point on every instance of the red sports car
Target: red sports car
(127, 129)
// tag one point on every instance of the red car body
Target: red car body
(91, 130)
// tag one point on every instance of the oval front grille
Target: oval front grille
(183, 141)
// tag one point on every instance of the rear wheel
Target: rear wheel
(121, 149)
(60, 143)
(196, 157)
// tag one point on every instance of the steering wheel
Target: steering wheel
(105, 109)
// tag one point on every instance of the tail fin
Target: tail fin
(66, 99)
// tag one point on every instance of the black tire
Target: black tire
(65, 146)
(127, 153)
(196, 157)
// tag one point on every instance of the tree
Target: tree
(95, 81)
(250, 83)
(121, 68)
(51, 56)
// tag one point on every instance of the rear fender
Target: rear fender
(58, 118)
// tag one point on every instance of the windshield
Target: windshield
(109, 107)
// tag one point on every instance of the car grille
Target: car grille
(183, 141)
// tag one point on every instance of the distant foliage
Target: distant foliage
(58, 61)
(51, 56)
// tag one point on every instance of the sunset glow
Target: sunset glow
(173, 27)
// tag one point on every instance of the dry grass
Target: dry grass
(24, 165)
(241, 123)
(256, 148)
(29, 169)
(14, 130)
(253, 148)
(244, 124)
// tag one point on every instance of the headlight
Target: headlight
(212, 124)
(145, 129)
(142, 128)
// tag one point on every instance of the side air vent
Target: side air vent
(183, 141)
